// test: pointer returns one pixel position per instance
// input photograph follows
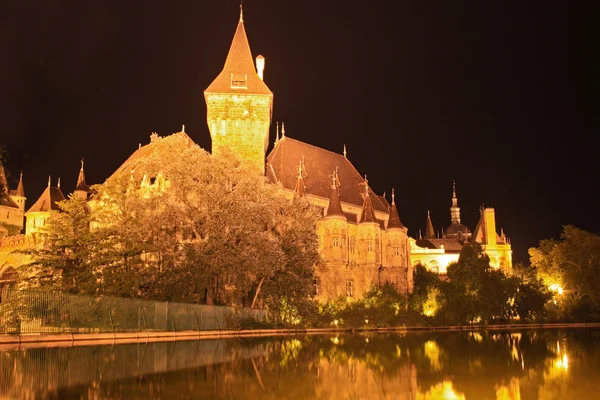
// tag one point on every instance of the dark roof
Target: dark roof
(429, 231)
(81, 185)
(450, 245)
(48, 200)
(367, 214)
(20, 189)
(394, 220)
(319, 164)
(454, 228)
(239, 63)
(335, 207)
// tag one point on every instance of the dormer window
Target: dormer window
(239, 81)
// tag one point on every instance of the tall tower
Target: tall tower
(455, 209)
(239, 104)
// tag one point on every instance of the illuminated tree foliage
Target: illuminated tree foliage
(182, 225)
(571, 266)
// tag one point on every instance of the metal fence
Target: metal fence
(24, 312)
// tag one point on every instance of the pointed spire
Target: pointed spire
(282, 130)
(455, 209)
(367, 214)
(345, 154)
(239, 73)
(277, 134)
(335, 207)
(183, 128)
(420, 235)
(394, 219)
(81, 185)
(58, 183)
(49, 180)
(20, 188)
(429, 231)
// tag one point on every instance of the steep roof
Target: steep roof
(429, 231)
(239, 66)
(81, 185)
(282, 166)
(48, 200)
(367, 214)
(335, 207)
(394, 220)
(20, 189)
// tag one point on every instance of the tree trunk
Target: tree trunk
(257, 291)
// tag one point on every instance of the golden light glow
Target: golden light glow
(432, 352)
(555, 287)
(441, 391)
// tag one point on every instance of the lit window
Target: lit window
(316, 287)
(239, 81)
(396, 251)
(370, 246)
(336, 242)
(349, 289)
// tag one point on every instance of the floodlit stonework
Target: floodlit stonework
(361, 238)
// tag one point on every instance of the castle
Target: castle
(362, 240)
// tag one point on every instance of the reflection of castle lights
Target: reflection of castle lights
(562, 363)
(441, 391)
(335, 340)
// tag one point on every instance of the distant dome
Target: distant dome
(455, 229)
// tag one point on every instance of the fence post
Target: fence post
(111, 322)
(197, 323)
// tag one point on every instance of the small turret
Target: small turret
(367, 214)
(260, 66)
(394, 219)
(82, 190)
(429, 231)
(335, 207)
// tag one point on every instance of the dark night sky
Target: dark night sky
(490, 94)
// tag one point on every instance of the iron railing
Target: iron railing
(23, 312)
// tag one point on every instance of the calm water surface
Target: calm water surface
(527, 364)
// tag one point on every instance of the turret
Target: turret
(82, 190)
(42, 209)
(429, 231)
(239, 104)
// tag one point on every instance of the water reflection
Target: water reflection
(531, 364)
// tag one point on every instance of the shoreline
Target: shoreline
(29, 341)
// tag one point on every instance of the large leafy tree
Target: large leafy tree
(477, 291)
(179, 224)
(573, 264)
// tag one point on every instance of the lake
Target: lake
(496, 364)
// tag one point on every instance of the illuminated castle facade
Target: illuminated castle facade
(362, 241)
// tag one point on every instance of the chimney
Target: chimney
(260, 66)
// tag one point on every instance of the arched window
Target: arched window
(349, 288)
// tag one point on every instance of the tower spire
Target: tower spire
(345, 151)
(335, 207)
(394, 219)
(455, 209)
(20, 188)
(241, 12)
(429, 231)
(282, 129)
(277, 134)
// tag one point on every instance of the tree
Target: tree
(476, 291)
(176, 223)
(425, 290)
(571, 266)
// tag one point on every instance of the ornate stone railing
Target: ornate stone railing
(14, 242)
